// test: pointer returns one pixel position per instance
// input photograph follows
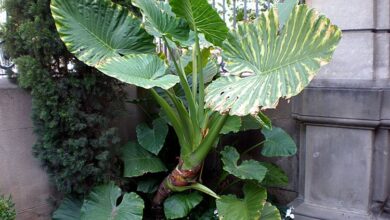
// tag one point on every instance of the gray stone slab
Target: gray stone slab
(353, 58)
(338, 168)
(348, 83)
(385, 114)
(382, 14)
(342, 103)
(381, 174)
(348, 14)
(282, 111)
(308, 211)
(382, 56)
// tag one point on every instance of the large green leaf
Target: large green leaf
(197, 186)
(275, 176)
(180, 205)
(152, 139)
(266, 64)
(270, 212)
(143, 70)
(263, 120)
(69, 209)
(207, 215)
(278, 143)
(255, 122)
(249, 208)
(161, 21)
(203, 43)
(232, 124)
(248, 169)
(95, 30)
(202, 18)
(149, 185)
(102, 204)
(138, 161)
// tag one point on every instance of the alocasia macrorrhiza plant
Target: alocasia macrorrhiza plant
(272, 57)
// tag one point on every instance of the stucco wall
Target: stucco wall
(20, 174)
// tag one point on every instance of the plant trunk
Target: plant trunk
(177, 178)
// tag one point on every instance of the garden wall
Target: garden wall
(20, 174)
(344, 119)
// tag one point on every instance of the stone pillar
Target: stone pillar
(344, 115)
(20, 174)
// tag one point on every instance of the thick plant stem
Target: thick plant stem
(162, 193)
(177, 178)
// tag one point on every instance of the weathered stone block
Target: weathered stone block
(338, 157)
(382, 14)
(348, 14)
(385, 114)
(382, 55)
(344, 145)
(340, 103)
(381, 174)
(353, 58)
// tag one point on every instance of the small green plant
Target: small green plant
(275, 56)
(7, 208)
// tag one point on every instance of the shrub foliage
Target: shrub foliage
(7, 208)
(72, 103)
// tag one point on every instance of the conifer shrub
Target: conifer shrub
(73, 104)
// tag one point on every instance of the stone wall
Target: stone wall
(343, 117)
(20, 174)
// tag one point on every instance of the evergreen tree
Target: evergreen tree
(72, 103)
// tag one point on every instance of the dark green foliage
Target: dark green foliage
(7, 208)
(128, 5)
(72, 103)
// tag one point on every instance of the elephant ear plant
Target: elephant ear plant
(275, 56)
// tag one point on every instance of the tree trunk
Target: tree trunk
(177, 178)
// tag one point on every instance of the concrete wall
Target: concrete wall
(20, 174)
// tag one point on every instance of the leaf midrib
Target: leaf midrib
(94, 35)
